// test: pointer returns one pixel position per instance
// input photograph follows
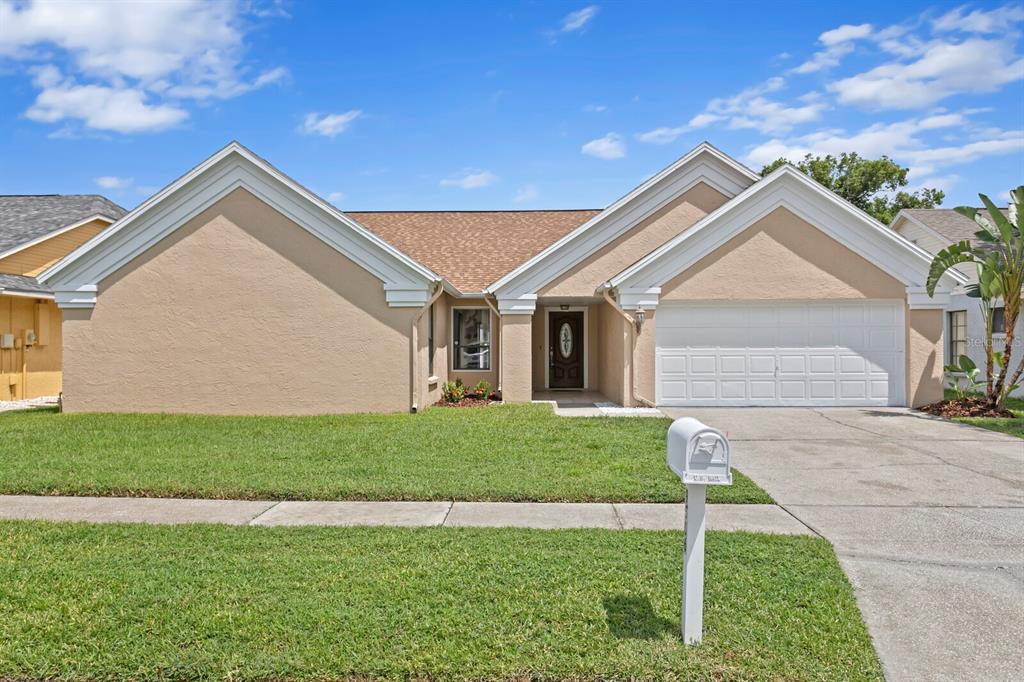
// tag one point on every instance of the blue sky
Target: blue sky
(487, 105)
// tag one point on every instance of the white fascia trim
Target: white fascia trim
(702, 164)
(55, 233)
(918, 299)
(525, 304)
(635, 299)
(785, 188)
(26, 294)
(232, 168)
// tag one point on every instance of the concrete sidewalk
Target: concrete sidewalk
(760, 518)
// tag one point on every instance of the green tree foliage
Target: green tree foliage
(872, 185)
(998, 253)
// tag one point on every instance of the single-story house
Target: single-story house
(35, 232)
(236, 290)
(935, 229)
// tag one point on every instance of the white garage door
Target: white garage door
(799, 353)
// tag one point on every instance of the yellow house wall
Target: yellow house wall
(924, 356)
(30, 372)
(674, 218)
(35, 259)
(612, 376)
(239, 311)
(517, 375)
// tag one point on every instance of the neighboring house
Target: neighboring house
(35, 232)
(236, 290)
(933, 230)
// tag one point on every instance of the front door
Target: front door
(565, 349)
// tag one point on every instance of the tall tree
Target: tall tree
(998, 252)
(872, 185)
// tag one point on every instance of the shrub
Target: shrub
(453, 391)
(482, 388)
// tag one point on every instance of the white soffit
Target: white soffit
(75, 279)
(790, 189)
(702, 164)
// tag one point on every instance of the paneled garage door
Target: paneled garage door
(793, 353)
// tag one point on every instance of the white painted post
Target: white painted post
(693, 565)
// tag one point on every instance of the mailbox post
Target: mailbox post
(699, 455)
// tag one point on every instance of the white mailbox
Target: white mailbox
(698, 454)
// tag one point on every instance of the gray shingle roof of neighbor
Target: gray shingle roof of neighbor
(947, 222)
(24, 218)
(23, 284)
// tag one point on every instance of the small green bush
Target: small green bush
(482, 388)
(453, 391)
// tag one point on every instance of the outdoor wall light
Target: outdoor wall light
(638, 319)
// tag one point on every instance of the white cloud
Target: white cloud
(838, 43)
(901, 140)
(335, 197)
(845, 34)
(100, 107)
(471, 179)
(979, 21)
(328, 125)
(973, 66)
(575, 21)
(611, 146)
(114, 182)
(149, 56)
(594, 108)
(663, 135)
(526, 194)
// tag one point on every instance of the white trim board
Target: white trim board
(548, 309)
(75, 279)
(790, 189)
(702, 164)
(55, 233)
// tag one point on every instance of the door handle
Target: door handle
(551, 357)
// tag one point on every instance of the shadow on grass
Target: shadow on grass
(633, 618)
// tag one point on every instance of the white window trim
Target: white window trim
(454, 331)
(548, 309)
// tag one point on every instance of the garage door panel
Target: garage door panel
(794, 353)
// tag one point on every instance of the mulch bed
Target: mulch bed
(468, 401)
(968, 407)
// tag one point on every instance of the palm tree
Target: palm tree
(999, 256)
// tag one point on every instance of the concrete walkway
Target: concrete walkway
(927, 519)
(761, 518)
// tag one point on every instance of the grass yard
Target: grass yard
(509, 452)
(83, 602)
(1014, 426)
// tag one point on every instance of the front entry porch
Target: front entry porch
(585, 403)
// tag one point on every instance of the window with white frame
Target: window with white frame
(431, 343)
(471, 339)
(957, 334)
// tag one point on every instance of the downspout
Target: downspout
(631, 323)
(501, 341)
(414, 347)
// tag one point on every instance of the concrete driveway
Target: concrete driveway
(926, 516)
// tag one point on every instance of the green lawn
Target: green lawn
(81, 601)
(1013, 426)
(510, 452)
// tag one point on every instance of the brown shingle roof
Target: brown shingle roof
(948, 222)
(471, 249)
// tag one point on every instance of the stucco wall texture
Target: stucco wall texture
(239, 311)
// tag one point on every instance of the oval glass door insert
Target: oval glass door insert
(565, 340)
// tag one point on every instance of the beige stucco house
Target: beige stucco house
(36, 231)
(236, 290)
